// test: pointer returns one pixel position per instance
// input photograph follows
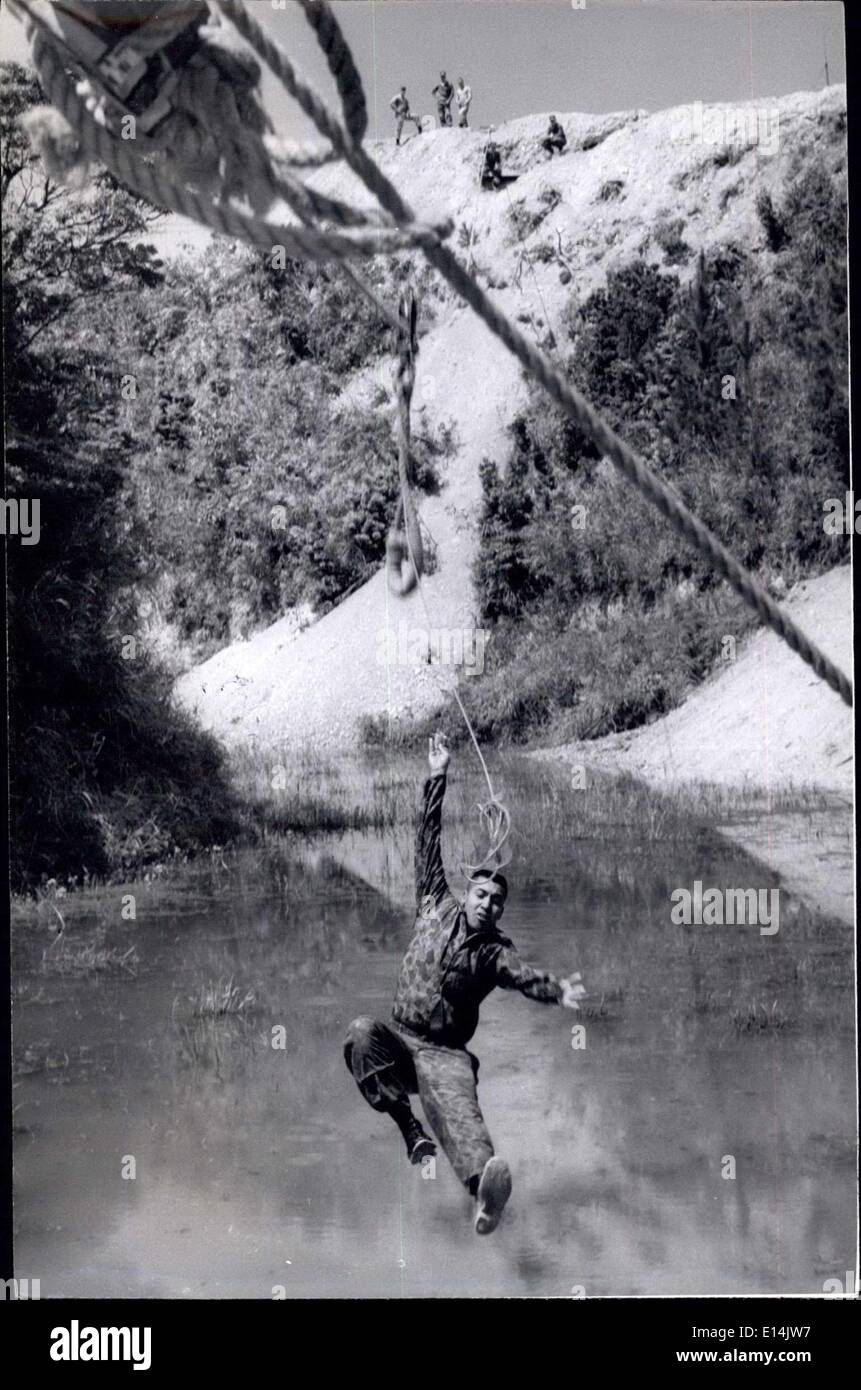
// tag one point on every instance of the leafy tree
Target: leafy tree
(63, 251)
(104, 773)
(505, 581)
(258, 490)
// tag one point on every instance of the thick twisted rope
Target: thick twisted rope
(494, 816)
(344, 142)
(404, 550)
(635, 469)
(340, 62)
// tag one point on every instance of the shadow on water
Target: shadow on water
(215, 1074)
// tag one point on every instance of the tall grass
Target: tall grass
(292, 791)
(221, 999)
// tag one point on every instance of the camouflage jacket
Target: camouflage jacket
(448, 969)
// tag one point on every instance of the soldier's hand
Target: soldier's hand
(438, 754)
(572, 992)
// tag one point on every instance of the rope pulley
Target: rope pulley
(201, 145)
(134, 60)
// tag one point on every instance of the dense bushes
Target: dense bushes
(734, 387)
(258, 490)
(180, 427)
(105, 773)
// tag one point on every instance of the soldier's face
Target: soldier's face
(484, 904)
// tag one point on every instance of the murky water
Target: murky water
(258, 1168)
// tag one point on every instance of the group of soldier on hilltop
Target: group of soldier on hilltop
(445, 94)
(554, 141)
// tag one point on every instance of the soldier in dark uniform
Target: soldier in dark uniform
(457, 955)
(444, 93)
(555, 140)
(491, 172)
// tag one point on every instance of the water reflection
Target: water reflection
(258, 1167)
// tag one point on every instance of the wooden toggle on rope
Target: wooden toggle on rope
(173, 166)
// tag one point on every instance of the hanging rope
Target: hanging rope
(404, 551)
(405, 567)
(493, 814)
(252, 170)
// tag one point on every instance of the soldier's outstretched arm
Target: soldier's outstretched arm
(514, 973)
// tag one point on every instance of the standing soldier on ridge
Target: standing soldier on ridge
(444, 92)
(463, 96)
(401, 107)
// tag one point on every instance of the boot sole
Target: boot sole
(494, 1191)
(425, 1148)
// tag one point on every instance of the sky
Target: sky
(523, 57)
(527, 56)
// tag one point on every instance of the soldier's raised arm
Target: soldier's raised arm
(430, 874)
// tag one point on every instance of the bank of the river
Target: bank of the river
(772, 744)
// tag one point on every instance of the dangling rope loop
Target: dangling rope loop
(495, 821)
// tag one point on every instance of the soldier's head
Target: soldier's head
(484, 903)
(403, 91)
(442, 75)
(552, 120)
(460, 82)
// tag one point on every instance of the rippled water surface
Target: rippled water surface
(259, 1168)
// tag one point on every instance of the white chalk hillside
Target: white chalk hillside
(311, 686)
(763, 721)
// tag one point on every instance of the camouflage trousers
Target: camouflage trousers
(390, 1064)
